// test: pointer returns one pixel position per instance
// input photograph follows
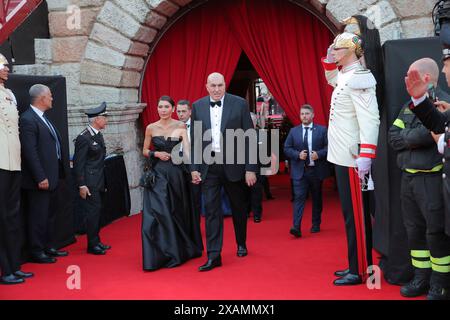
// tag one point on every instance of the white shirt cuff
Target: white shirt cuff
(441, 144)
(82, 187)
(416, 102)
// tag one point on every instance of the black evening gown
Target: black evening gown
(170, 228)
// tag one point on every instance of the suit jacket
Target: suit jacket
(294, 145)
(235, 115)
(39, 157)
(89, 160)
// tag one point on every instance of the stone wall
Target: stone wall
(100, 46)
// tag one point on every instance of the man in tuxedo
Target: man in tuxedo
(89, 168)
(9, 184)
(306, 146)
(214, 163)
(41, 170)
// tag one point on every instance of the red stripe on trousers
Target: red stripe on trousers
(358, 214)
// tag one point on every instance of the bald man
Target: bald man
(421, 195)
(215, 164)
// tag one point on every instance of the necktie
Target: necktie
(53, 132)
(215, 103)
(306, 145)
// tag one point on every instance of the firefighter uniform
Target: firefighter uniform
(422, 202)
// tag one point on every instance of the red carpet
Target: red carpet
(278, 265)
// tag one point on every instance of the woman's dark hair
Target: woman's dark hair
(167, 99)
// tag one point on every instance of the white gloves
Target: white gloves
(363, 165)
(330, 58)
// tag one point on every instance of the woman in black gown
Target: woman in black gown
(170, 229)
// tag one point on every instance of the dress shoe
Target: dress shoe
(52, 252)
(21, 274)
(416, 287)
(341, 273)
(11, 279)
(315, 229)
(348, 280)
(438, 292)
(295, 232)
(104, 246)
(211, 264)
(257, 219)
(97, 250)
(242, 251)
(42, 258)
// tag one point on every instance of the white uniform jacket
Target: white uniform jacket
(9, 131)
(354, 118)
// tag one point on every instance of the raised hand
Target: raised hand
(416, 85)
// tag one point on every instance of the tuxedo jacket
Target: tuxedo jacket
(235, 115)
(294, 145)
(39, 156)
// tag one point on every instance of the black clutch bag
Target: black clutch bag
(148, 178)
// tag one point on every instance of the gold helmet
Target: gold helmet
(350, 41)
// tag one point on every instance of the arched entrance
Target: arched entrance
(283, 40)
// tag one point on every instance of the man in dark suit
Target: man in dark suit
(214, 163)
(89, 168)
(306, 146)
(41, 170)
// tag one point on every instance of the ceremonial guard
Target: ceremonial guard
(10, 167)
(89, 165)
(352, 139)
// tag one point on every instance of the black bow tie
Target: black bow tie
(215, 103)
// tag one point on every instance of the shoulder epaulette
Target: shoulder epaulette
(362, 79)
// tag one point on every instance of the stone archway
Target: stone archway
(101, 47)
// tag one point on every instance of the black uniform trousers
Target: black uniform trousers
(237, 192)
(39, 208)
(93, 207)
(345, 196)
(10, 245)
(256, 196)
(423, 215)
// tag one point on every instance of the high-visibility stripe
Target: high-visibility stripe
(420, 253)
(441, 269)
(421, 264)
(435, 169)
(399, 123)
(441, 261)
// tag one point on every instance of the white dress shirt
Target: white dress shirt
(93, 129)
(216, 121)
(310, 126)
(188, 128)
(441, 143)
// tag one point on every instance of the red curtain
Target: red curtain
(195, 46)
(285, 43)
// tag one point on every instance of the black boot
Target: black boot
(438, 292)
(439, 286)
(419, 285)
